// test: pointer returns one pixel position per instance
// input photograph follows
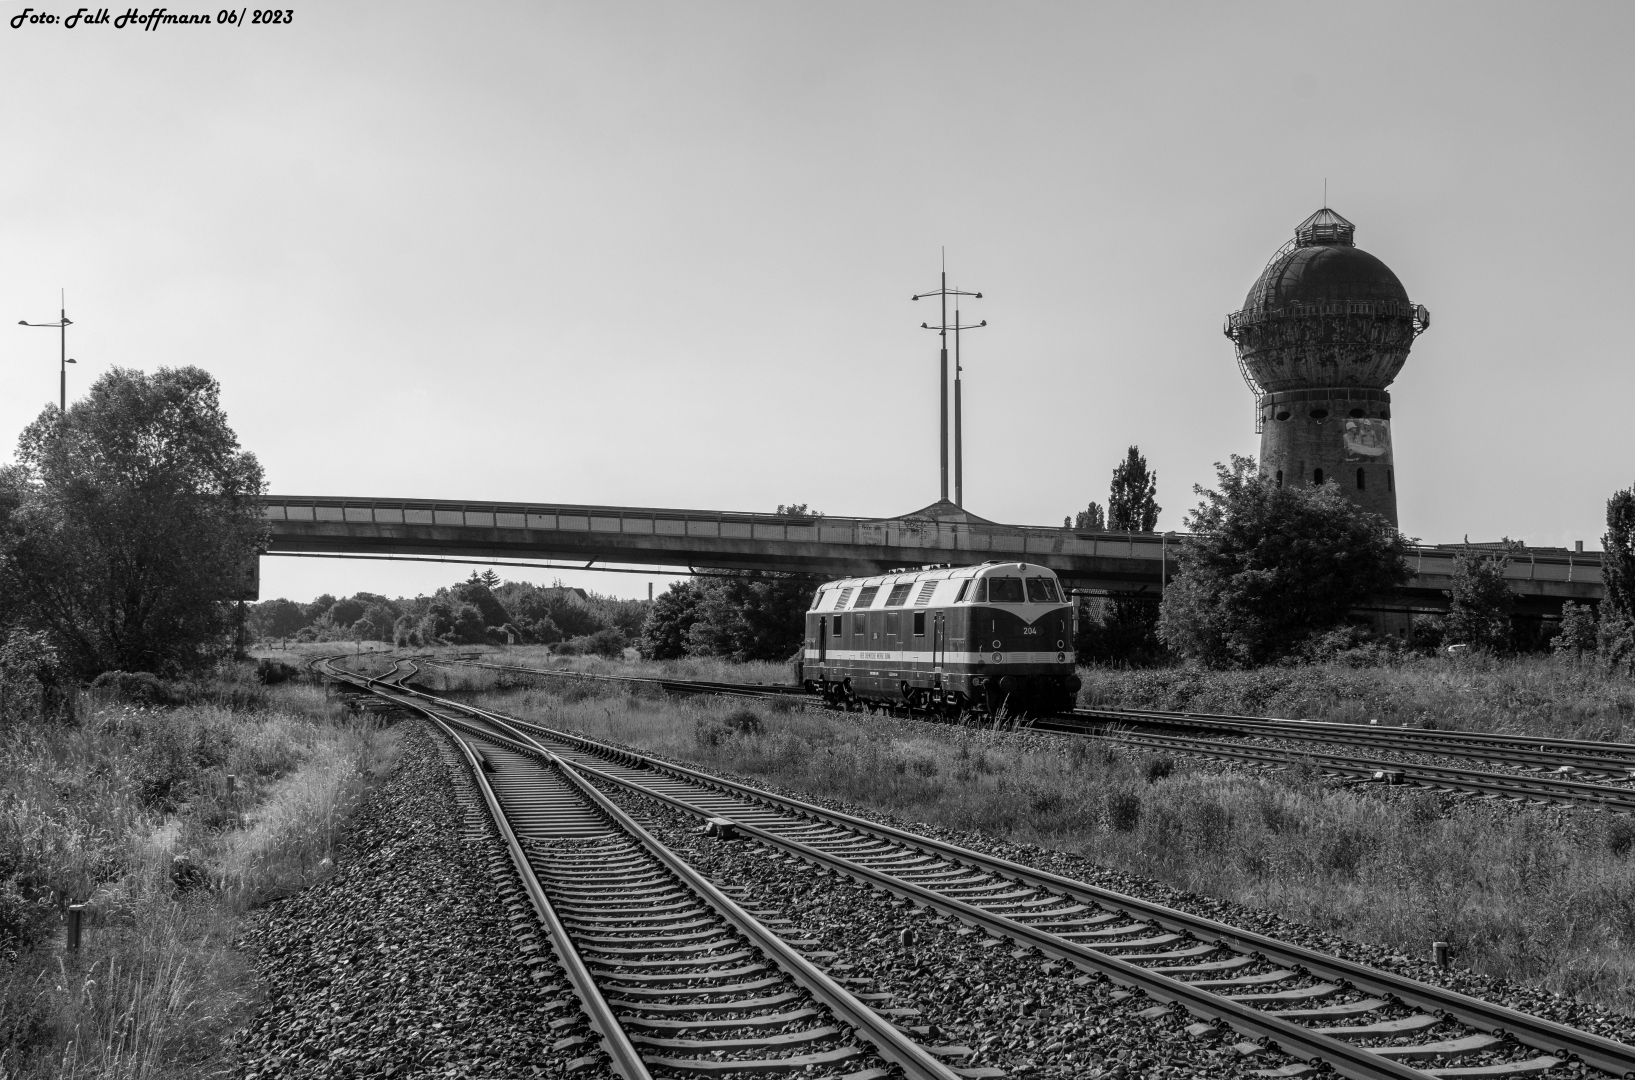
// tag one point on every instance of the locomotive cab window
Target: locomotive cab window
(1042, 590)
(919, 624)
(1005, 590)
(964, 587)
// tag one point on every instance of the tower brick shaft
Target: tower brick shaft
(1323, 332)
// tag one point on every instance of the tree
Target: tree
(1132, 502)
(490, 579)
(1267, 567)
(376, 623)
(1126, 632)
(750, 615)
(665, 634)
(1091, 519)
(1480, 601)
(132, 519)
(1616, 634)
(276, 618)
(345, 612)
(1578, 630)
(474, 592)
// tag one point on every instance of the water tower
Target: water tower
(1321, 335)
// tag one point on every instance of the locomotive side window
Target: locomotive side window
(837, 626)
(866, 597)
(964, 587)
(899, 594)
(919, 624)
(1042, 590)
(1005, 590)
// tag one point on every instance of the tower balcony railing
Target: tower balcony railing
(1389, 309)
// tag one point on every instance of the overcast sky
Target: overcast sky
(662, 254)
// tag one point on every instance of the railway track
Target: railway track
(1557, 787)
(1561, 755)
(666, 974)
(1359, 1021)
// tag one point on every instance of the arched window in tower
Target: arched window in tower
(1280, 478)
(1317, 478)
(1362, 481)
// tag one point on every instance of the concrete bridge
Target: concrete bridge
(827, 546)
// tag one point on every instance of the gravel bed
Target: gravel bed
(983, 1002)
(402, 964)
(1520, 996)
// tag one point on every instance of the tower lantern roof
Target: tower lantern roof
(1325, 227)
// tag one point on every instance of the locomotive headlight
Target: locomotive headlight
(1061, 658)
(997, 643)
(1060, 644)
(999, 658)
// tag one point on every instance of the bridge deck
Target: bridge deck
(829, 546)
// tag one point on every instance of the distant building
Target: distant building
(1322, 333)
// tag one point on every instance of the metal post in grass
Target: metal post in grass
(76, 914)
(1440, 951)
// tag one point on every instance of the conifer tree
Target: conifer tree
(1132, 502)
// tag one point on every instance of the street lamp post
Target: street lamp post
(959, 440)
(61, 325)
(942, 329)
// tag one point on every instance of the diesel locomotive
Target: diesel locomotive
(981, 638)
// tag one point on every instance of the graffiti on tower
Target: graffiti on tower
(1367, 439)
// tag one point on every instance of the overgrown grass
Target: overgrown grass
(101, 813)
(1539, 896)
(1535, 695)
(707, 668)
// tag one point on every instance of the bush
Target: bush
(135, 687)
(24, 923)
(271, 671)
(1123, 810)
(1427, 633)
(34, 685)
(742, 722)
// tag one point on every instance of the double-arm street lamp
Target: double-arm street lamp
(942, 329)
(62, 326)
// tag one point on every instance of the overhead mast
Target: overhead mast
(942, 328)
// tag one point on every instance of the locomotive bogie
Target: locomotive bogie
(995, 637)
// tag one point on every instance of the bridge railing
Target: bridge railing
(958, 539)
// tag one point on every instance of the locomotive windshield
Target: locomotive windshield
(1042, 590)
(1005, 590)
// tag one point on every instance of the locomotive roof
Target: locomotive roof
(937, 575)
